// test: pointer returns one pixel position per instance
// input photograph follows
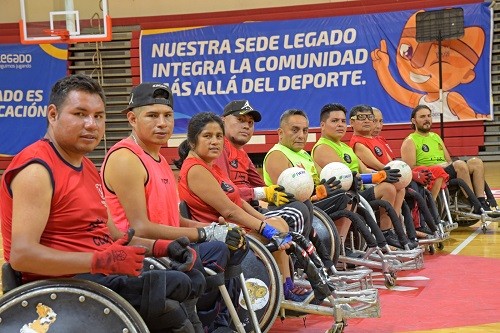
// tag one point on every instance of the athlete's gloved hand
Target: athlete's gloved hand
(119, 258)
(327, 188)
(276, 194)
(357, 182)
(386, 175)
(182, 256)
(275, 236)
(422, 176)
(229, 233)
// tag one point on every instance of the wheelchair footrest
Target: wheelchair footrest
(449, 226)
(410, 259)
(353, 280)
(354, 304)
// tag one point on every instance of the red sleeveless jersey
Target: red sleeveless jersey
(160, 189)
(377, 145)
(200, 211)
(78, 215)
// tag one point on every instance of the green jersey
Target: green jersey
(429, 149)
(300, 159)
(345, 153)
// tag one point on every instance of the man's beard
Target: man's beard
(423, 129)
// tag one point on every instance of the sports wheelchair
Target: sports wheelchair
(456, 205)
(265, 286)
(64, 305)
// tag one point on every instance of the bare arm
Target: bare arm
(366, 156)
(206, 187)
(447, 154)
(128, 185)
(409, 152)
(275, 163)
(32, 195)
(323, 154)
(363, 168)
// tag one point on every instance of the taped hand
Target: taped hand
(229, 233)
(386, 175)
(275, 236)
(119, 258)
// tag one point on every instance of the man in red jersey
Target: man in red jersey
(54, 217)
(143, 196)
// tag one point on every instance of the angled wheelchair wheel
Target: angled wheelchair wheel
(457, 203)
(327, 233)
(67, 306)
(264, 285)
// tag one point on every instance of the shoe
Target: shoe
(392, 239)
(290, 296)
(421, 234)
(412, 244)
(425, 229)
(484, 204)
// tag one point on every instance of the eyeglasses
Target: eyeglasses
(362, 116)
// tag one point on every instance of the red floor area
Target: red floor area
(459, 291)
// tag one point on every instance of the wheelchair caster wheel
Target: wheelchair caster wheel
(389, 280)
(337, 327)
(484, 228)
(432, 249)
(440, 246)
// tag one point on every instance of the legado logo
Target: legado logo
(15, 60)
(9, 58)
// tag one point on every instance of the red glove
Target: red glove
(119, 258)
(422, 176)
(183, 257)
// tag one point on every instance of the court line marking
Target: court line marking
(468, 240)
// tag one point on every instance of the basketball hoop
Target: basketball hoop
(61, 33)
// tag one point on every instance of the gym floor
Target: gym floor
(454, 292)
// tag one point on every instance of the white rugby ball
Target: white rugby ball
(404, 170)
(298, 182)
(338, 170)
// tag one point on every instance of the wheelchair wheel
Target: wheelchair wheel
(327, 233)
(355, 238)
(67, 306)
(263, 281)
(457, 203)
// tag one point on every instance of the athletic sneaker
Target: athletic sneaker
(290, 296)
(392, 239)
(484, 204)
(425, 229)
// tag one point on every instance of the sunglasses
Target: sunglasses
(363, 117)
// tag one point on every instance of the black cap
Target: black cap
(143, 95)
(241, 107)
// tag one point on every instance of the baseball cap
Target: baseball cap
(241, 107)
(144, 93)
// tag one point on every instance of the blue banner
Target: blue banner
(27, 74)
(371, 59)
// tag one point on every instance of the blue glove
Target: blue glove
(277, 237)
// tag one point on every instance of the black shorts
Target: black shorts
(450, 170)
(368, 194)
